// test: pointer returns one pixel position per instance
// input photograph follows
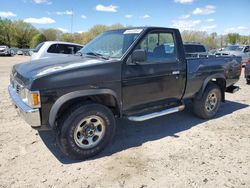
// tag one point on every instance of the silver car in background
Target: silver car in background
(236, 50)
(50, 49)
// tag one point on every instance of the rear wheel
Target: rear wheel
(208, 105)
(85, 131)
(248, 80)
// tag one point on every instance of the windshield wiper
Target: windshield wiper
(97, 55)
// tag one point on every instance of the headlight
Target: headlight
(31, 98)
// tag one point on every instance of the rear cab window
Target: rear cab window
(194, 48)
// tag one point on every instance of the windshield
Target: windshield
(111, 44)
(38, 47)
(233, 48)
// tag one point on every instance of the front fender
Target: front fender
(76, 94)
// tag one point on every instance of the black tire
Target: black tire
(248, 80)
(67, 136)
(203, 108)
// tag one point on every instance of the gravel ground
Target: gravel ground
(178, 150)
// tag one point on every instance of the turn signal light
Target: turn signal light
(35, 99)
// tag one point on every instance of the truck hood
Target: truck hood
(32, 70)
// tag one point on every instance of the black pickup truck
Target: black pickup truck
(134, 73)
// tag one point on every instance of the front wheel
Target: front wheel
(85, 131)
(208, 105)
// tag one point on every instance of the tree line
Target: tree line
(24, 35)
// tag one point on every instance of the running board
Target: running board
(156, 114)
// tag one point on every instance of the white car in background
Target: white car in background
(6, 51)
(50, 49)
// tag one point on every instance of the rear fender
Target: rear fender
(218, 79)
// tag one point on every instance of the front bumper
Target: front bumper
(4, 53)
(30, 115)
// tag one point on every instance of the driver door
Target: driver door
(159, 78)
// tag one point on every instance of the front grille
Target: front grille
(17, 87)
(2, 50)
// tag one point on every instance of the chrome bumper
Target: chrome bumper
(30, 115)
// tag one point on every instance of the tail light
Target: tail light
(248, 62)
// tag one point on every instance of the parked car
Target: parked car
(19, 52)
(14, 50)
(237, 50)
(123, 73)
(247, 71)
(195, 49)
(55, 49)
(5, 50)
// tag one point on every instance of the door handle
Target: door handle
(175, 72)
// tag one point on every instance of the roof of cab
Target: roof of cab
(61, 42)
(142, 27)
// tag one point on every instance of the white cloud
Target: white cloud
(184, 1)
(128, 16)
(81, 32)
(7, 14)
(43, 20)
(185, 24)
(210, 20)
(240, 29)
(62, 30)
(83, 17)
(184, 16)
(145, 16)
(110, 8)
(207, 27)
(42, 2)
(209, 9)
(67, 12)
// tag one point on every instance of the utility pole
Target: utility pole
(221, 41)
(71, 25)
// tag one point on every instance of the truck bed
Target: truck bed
(201, 68)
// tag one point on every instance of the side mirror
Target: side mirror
(139, 56)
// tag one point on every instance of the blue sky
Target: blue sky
(221, 16)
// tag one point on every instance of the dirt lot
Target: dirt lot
(178, 150)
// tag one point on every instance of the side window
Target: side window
(53, 49)
(65, 49)
(159, 46)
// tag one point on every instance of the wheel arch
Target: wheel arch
(106, 97)
(218, 79)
